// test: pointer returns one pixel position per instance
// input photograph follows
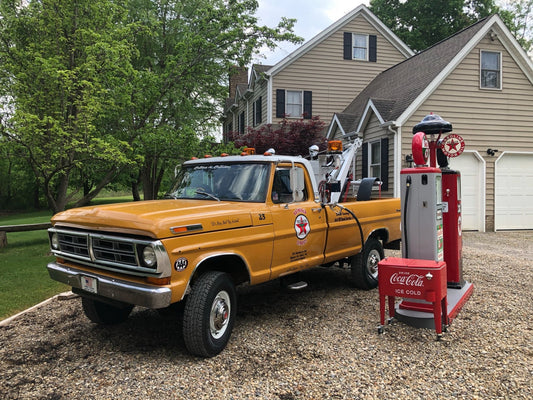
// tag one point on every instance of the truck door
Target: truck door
(299, 222)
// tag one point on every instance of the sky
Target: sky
(313, 16)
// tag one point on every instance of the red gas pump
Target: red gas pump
(431, 227)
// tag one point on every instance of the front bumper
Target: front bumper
(112, 288)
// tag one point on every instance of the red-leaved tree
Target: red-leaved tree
(291, 137)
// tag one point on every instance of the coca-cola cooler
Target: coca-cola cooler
(420, 280)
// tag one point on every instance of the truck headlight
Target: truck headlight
(54, 241)
(149, 257)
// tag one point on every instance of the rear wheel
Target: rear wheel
(364, 266)
(105, 314)
(209, 314)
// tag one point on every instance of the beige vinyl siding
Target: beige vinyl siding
(485, 118)
(372, 133)
(259, 91)
(335, 82)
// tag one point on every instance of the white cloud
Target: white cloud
(313, 16)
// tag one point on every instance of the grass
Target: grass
(24, 280)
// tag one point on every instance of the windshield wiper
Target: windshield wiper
(203, 192)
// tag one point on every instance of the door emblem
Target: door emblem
(301, 226)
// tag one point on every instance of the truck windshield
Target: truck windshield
(234, 181)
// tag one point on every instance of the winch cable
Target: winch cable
(358, 224)
(407, 188)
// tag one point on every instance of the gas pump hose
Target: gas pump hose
(407, 188)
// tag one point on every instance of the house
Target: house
(319, 78)
(481, 81)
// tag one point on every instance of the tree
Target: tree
(185, 50)
(64, 68)
(518, 16)
(290, 137)
(422, 23)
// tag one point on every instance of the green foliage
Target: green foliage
(65, 68)
(422, 23)
(185, 51)
(518, 16)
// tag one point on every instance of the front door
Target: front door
(299, 225)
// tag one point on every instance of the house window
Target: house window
(376, 161)
(491, 71)
(294, 104)
(374, 158)
(360, 47)
(257, 111)
(241, 123)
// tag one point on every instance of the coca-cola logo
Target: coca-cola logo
(407, 279)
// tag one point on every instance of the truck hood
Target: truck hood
(159, 218)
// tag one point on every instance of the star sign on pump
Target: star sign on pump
(301, 226)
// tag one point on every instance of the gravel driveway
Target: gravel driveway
(319, 343)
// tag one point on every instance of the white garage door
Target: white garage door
(513, 191)
(472, 168)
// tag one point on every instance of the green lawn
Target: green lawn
(24, 280)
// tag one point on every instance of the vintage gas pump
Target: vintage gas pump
(431, 234)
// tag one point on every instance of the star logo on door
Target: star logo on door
(301, 226)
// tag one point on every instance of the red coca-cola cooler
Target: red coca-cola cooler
(423, 281)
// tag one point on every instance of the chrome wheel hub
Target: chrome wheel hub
(220, 314)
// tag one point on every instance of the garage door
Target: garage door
(513, 204)
(472, 168)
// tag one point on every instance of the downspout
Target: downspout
(270, 99)
(396, 131)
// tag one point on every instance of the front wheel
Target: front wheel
(103, 313)
(209, 314)
(364, 266)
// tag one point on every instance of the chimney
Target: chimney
(237, 76)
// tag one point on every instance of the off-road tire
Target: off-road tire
(363, 274)
(209, 314)
(103, 313)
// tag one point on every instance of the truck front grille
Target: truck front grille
(114, 253)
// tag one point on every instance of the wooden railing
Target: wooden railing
(20, 228)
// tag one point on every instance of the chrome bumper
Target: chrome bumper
(114, 289)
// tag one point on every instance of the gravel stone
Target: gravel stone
(318, 343)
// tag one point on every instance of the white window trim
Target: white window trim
(301, 103)
(480, 69)
(367, 49)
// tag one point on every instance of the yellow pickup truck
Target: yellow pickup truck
(227, 221)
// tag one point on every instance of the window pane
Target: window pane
(375, 171)
(490, 60)
(294, 103)
(294, 97)
(359, 41)
(375, 157)
(490, 79)
(359, 54)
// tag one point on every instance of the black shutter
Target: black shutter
(308, 104)
(364, 172)
(385, 164)
(348, 45)
(372, 48)
(259, 111)
(280, 103)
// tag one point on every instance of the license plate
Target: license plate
(89, 284)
